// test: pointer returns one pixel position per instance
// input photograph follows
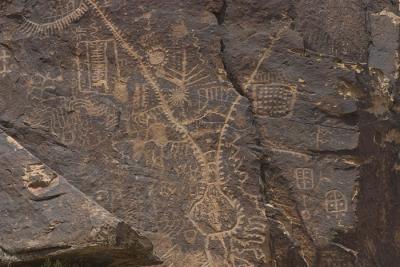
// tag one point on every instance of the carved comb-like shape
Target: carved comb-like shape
(32, 28)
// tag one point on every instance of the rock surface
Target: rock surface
(43, 216)
(231, 132)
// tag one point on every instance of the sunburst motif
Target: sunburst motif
(178, 96)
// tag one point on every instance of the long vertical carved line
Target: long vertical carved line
(152, 81)
(198, 153)
(222, 133)
(265, 56)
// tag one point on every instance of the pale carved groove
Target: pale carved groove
(30, 27)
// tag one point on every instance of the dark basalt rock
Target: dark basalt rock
(44, 217)
(325, 72)
(231, 132)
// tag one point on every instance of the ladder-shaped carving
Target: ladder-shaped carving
(30, 27)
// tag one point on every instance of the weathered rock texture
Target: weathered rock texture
(43, 216)
(232, 132)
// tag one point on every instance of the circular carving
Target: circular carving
(157, 56)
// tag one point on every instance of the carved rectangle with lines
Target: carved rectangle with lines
(98, 66)
(304, 178)
(4, 59)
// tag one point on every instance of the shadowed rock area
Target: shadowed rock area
(235, 133)
(43, 217)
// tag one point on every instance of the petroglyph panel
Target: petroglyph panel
(324, 190)
(74, 122)
(37, 201)
(158, 135)
(228, 132)
(192, 125)
(331, 32)
(330, 136)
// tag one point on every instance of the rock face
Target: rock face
(231, 132)
(44, 217)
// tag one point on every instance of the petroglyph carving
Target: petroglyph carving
(323, 136)
(95, 73)
(80, 33)
(190, 236)
(140, 99)
(215, 213)
(77, 127)
(195, 259)
(105, 3)
(30, 27)
(272, 97)
(184, 77)
(4, 63)
(39, 179)
(157, 56)
(326, 137)
(60, 8)
(304, 178)
(331, 31)
(167, 190)
(42, 82)
(345, 14)
(335, 203)
(265, 56)
(97, 59)
(73, 121)
(305, 213)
